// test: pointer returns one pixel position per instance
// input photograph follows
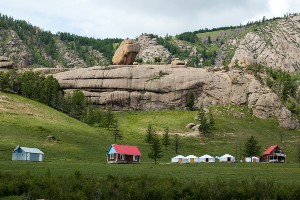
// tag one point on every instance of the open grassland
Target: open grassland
(82, 148)
(282, 173)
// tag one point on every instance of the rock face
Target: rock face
(126, 53)
(150, 49)
(155, 87)
(275, 45)
(5, 63)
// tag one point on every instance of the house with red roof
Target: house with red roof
(273, 154)
(123, 154)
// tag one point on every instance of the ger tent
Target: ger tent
(179, 159)
(206, 159)
(227, 158)
(192, 159)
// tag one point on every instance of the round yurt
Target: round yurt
(192, 159)
(227, 158)
(179, 159)
(206, 159)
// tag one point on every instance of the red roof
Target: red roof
(270, 149)
(128, 150)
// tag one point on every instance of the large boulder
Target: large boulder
(157, 87)
(126, 53)
(5, 63)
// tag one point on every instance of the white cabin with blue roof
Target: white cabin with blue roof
(27, 154)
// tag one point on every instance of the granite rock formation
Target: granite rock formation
(126, 53)
(156, 87)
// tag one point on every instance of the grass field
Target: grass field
(82, 148)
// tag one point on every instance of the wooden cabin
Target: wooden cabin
(27, 154)
(123, 154)
(273, 154)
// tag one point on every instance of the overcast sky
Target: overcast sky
(131, 18)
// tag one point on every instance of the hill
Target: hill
(28, 123)
(270, 42)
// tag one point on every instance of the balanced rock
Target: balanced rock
(126, 53)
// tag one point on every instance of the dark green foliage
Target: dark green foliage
(190, 100)
(206, 122)
(251, 147)
(117, 134)
(166, 138)
(109, 118)
(44, 46)
(149, 134)
(78, 186)
(177, 143)
(298, 153)
(75, 104)
(155, 152)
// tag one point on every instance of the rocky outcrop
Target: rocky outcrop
(155, 87)
(5, 63)
(150, 49)
(14, 48)
(275, 45)
(126, 53)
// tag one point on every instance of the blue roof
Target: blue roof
(29, 150)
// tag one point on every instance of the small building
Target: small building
(192, 159)
(27, 154)
(123, 154)
(253, 159)
(227, 158)
(179, 159)
(273, 154)
(206, 159)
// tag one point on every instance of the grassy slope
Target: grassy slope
(83, 148)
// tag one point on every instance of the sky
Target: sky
(129, 19)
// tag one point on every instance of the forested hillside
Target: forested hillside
(27, 45)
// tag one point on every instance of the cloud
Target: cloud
(118, 18)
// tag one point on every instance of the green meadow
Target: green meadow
(80, 147)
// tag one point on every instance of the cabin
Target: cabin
(273, 154)
(123, 154)
(206, 159)
(227, 158)
(27, 154)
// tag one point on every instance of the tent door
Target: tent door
(180, 160)
(206, 159)
(228, 159)
(192, 160)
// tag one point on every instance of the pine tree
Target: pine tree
(298, 153)
(116, 131)
(109, 118)
(166, 138)
(206, 124)
(177, 143)
(149, 134)
(190, 100)
(251, 147)
(155, 152)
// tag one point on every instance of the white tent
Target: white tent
(179, 159)
(254, 159)
(206, 159)
(192, 159)
(227, 158)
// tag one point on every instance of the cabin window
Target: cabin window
(122, 157)
(111, 156)
(135, 158)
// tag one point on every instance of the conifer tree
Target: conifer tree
(155, 152)
(166, 138)
(251, 147)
